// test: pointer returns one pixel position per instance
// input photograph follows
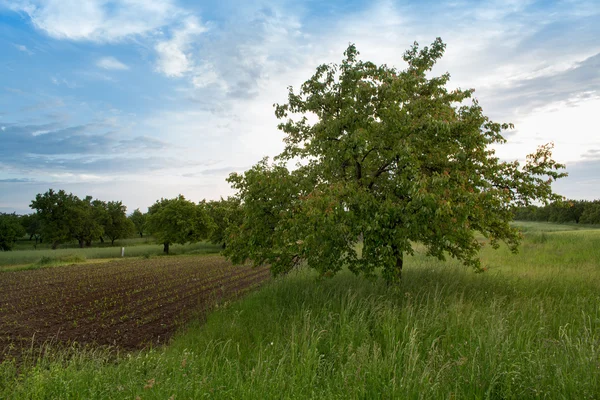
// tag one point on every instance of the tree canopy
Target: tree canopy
(223, 213)
(391, 157)
(10, 230)
(177, 221)
(139, 220)
(117, 225)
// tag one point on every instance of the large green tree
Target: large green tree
(391, 157)
(177, 221)
(10, 230)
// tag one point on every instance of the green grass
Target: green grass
(532, 226)
(22, 258)
(26, 244)
(529, 327)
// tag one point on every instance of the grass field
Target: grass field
(133, 248)
(529, 327)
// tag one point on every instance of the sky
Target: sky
(135, 100)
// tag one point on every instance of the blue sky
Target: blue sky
(134, 100)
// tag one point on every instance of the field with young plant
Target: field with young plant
(125, 303)
(527, 327)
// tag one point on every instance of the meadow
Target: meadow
(26, 257)
(528, 327)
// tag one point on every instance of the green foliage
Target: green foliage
(10, 230)
(139, 220)
(177, 221)
(591, 213)
(33, 226)
(577, 211)
(117, 225)
(224, 214)
(269, 193)
(393, 158)
(54, 210)
(87, 219)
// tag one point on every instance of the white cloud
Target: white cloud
(111, 63)
(173, 55)
(97, 20)
(58, 81)
(23, 48)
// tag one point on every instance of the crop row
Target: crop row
(127, 304)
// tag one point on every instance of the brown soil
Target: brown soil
(128, 304)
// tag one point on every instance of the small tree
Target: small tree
(117, 225)
(10, 230)
(33, 227)
(393, 158)
(139, 220)
(87, 219)
(177, 221)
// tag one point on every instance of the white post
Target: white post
(122, 251)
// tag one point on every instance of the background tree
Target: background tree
(591, 213)
(177, 221)
(55, 210)
(10, 231)
(86, 220)
(33, 227)
(223, 213)
(394, 158)
(139, 220)
(117, 225)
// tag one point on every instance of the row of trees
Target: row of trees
(578, 211)
(62, 217)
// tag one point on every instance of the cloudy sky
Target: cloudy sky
(134, 100)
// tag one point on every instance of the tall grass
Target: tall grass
(529, 327)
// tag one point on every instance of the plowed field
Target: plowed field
(128, 304)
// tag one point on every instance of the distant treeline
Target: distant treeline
(62, 217)
(577, 211)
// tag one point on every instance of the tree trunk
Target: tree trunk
(399, 263)
(112, 242)
(81, 243)
(101, 239)
(55, 245)
(166, 248)
(141, 234)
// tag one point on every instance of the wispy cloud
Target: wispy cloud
(59, 81)
(111, 63)
(97, 20)
(16, 180)
(174, 59)
(23, 49)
